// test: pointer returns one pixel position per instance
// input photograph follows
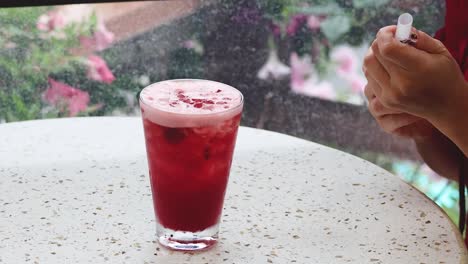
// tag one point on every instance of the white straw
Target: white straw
(405, 23)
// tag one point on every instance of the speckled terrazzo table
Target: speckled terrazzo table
(77, 191)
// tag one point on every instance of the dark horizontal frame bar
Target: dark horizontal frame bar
(23, 3)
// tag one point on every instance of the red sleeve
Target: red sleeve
(454, 34)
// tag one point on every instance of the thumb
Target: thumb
(424, 42)
(407, 56)
(391, 49)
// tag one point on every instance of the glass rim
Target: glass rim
(239, 105)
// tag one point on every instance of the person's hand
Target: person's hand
(396, 122)
(435, 148)
(423, 80)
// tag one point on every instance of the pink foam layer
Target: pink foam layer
(189, 102)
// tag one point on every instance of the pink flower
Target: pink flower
(103, 37)
(357, 82)
(98, 70)
(323, 89)
(62, 95)
(300, 69)
(314, 22)
(295, 23)
(275, 29)
(100, 40)
(193, 45)
(189, 44)
(50, 22)
(346, 59)
(305, 81)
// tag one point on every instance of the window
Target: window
(298, 64)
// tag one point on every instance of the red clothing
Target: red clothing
(454, 35)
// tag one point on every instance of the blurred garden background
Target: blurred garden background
(298, 63)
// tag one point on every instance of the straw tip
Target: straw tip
(405, 23)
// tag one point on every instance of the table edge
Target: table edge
(459, 237)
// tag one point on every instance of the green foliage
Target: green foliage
(29, 56)
(26, 16)
(184, 63)
(302, 41)
(26, 59)
(352, 19)
(330, 8)
(349, 22)
(335, 27)
(273, 8)
(369, 3)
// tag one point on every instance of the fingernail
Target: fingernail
(413, 39)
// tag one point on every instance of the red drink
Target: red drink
(189, 171)
(190, 130)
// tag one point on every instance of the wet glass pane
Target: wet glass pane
(298, 63)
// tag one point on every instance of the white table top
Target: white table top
(77, 191)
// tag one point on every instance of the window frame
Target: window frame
(25, 3)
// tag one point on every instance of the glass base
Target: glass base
(187, 241)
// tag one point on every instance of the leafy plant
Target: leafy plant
(44, 56)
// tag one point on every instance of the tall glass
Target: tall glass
(190, 131)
